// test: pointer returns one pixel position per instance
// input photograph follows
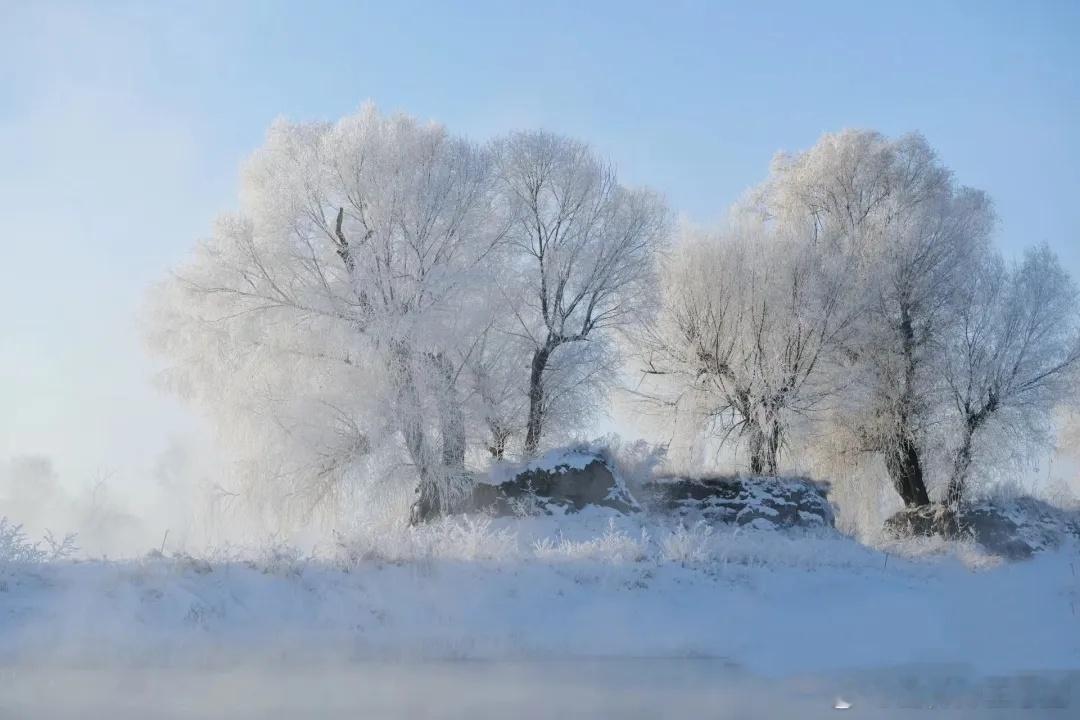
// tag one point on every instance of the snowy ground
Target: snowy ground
(751, 608)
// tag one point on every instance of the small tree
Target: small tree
(496, 388)
(748, 319)
(585, 250)
(1013, 355)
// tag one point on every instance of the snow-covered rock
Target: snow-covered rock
(570, 480)
(765, 502)
(1014, 529)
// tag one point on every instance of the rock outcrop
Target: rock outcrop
(766, 502)
(565, 481)
(1014, 529)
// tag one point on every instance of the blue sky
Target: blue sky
(122, 126)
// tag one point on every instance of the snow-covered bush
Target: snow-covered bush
(688, 546)
(16, 547)
(526, 505)
(614, 546)
(279, 557)
(469, 539)
(455, 538)
(59, 548)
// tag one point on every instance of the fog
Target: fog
(536, 689)
(217, 573)
(174, 505)
(123, 129)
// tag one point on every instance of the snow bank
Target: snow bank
(594, 584)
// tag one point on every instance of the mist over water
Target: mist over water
(539, 689)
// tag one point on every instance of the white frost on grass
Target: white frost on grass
(688, 546)
(613, 546)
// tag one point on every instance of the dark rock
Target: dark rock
(921, 521)
(571, 482)
(1014, 529)
(764, 501)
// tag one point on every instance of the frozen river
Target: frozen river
(645, 688)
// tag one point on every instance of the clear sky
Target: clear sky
(122, 126)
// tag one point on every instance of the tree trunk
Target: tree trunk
(905, 470)
(773, 466)
(428, 503)
(536, 400)
(954, 492)
(451, 417)
(499, 438)
(765, 449)
(757, 457)
(902, 453)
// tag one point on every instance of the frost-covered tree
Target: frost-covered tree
(749, 316)
(584, 250)
(496, 385)
(327, 323)
(1012, 358)
(910, 235)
